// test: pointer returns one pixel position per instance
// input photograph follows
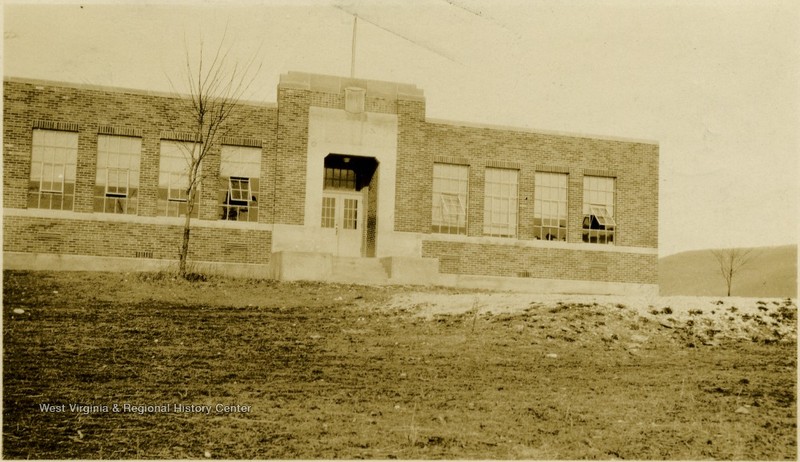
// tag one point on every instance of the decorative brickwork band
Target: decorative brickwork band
(504, 164)
(50, 125)
(109, 130)
(179, 136)
(239, 141)
(599, 172)
(551, 169)
(450, 160)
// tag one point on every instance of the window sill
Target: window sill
(581, 246)
(123, 218)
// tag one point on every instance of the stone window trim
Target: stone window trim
(504, 164)
(53, 125)
(172, 135)
(451, 160)
(241, 141)
(600, 173)
(551, 169)
(119, 131)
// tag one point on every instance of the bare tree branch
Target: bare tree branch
(730, 261)
(215, 90)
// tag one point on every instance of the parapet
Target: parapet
(336, 85)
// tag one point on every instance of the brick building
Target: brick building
(341, 180)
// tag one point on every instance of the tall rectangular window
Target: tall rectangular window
(173, 178)
(328, 212)
(350, 212)
(239, 170)
(54, 157)
(117, 184)
(599, 225)
(500, 202)
(550, 206)
(450, 186)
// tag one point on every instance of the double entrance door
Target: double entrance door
(342, 218)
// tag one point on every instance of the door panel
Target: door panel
(342, 214)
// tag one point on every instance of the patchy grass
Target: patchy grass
(328, 371)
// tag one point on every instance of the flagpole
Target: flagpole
(353, 52)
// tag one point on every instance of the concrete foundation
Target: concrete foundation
(546, 286)
(56, 262)
(411, 270)
(313, 266)
(296, 266)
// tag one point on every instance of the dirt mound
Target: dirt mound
(704, 318)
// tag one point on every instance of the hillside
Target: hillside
(771, 273)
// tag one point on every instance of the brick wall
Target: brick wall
(96, 110)
(90, 109)
(634, 165)
(125, 239)
(414, 169)
(292, 150)
(283, 135)
(292, 142)
(336, 101)
(542, 262)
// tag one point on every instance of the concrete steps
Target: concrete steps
(316, 266)
(358, 270)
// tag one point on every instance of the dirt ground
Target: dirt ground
(308, 370)
(708, 319)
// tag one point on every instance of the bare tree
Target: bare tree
(215, 91)
(731, 261)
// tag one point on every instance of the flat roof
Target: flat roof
(535, 131)
(135, 91)
(334, 84)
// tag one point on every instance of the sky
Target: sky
(715, 83)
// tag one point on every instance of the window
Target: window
(550, 207)
(599, 225)
(350, 220)
(450, 186)
(340, 178)
(239, 169)
(341, 211)
(53, 158)
(173, 178)
(328, 212)
(238, 190)
(500, 203)
(117, 185)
